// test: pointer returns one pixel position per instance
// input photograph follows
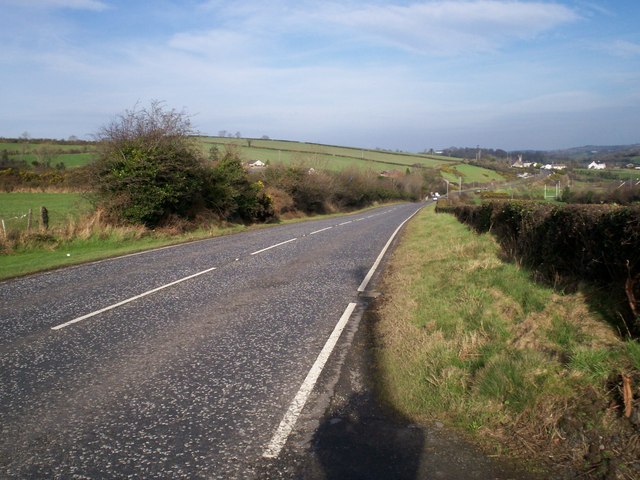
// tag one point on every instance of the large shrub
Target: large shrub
(148, 167)
(231, 195)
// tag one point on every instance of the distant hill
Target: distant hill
(610, 154)
(331, 157)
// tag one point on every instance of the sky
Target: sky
(407, 75)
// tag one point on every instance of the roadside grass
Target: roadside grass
(47, 253)
(472, 341)
(89, 239)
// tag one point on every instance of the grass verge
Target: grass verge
(47, 251)
(90, 239)
(471, 341)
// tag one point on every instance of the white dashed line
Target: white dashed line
(289, 420)
(344, 223)
(322, 230)
(366, 280)
(119, 304)
(274, 246)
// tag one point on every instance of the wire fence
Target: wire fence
(20, 222)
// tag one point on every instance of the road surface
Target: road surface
(184, 362)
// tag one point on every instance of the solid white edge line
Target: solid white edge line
(291, 416)
(373, 269)
(321, 230)
(119, 304)
(274, 246)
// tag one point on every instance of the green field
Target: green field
(72, 156)
(610, 173)
(325, 156)
(14, 208)
(19, 147)
(320, 157)
(471, 174)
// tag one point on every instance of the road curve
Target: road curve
(179, 362)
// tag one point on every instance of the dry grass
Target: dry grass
(472, 341)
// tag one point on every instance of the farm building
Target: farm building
(597, 166)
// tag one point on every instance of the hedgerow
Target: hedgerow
(599, 244)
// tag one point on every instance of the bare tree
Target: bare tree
(24, 139)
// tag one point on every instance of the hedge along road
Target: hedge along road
(190, 361)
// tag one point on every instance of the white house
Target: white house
(597, 166)
(550, 166)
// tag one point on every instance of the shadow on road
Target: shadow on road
(361, 438)
(360, 442)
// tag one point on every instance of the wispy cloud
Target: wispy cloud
(361, 72)
(96, 5)
(429, 27)
(451, 27)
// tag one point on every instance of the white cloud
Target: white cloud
(317, 71)
(448, 27)
(445, 27)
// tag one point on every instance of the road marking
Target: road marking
(344, 223)
(289, 420)
(366, 280)
(119, 304)
(274, 246)
(322, 230)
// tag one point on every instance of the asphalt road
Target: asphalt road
(179, 362)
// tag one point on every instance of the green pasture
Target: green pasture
(19, 147)
(74, 160)
(72, 156)
(70, 160)
(626, 174)
(471, 174)
(334, 157)
(610, 173)
(14, 207)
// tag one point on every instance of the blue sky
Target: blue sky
(407, 75)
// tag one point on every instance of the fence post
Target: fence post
(29, 220)
(4, 230)
(44, 214)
